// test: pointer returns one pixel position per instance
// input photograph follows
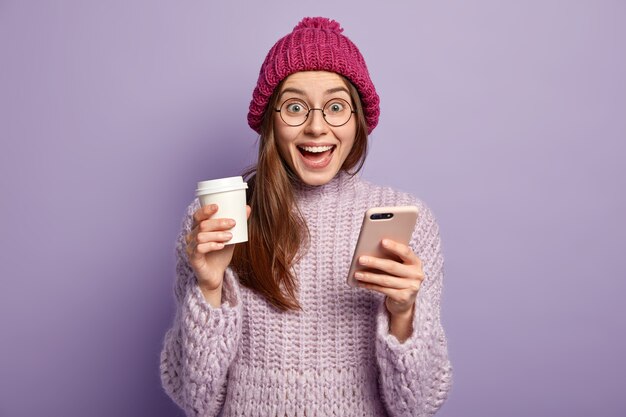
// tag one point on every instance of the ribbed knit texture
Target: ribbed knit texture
(334, 358)
(315, 44)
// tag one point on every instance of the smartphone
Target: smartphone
(395, 223)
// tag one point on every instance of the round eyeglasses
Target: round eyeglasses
(294, 112)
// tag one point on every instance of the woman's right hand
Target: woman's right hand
(206, 251)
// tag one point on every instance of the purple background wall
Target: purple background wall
(507, 118)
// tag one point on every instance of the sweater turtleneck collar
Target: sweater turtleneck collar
(339, 183)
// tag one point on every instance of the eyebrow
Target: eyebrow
(302, 93)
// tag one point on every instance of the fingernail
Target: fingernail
(385, 242)
(228, 235)
(358, 275)
(364, 260)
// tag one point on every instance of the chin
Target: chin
(318, 178)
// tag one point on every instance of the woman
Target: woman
(270, 327)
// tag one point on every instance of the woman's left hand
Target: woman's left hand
(399, 280)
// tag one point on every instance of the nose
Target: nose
(315, 124)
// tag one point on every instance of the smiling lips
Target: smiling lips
(318, 156)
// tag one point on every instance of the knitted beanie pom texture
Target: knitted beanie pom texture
(315, 44)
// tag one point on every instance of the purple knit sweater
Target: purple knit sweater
(333, 358)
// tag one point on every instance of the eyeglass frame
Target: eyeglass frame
(279, 111)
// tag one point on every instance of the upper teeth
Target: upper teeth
(317, 149)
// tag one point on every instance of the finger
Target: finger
(212, 225)
(392, 267)
(248, 211)
(204, 213)
(392, 293)
(404, 252)
(197, 249)
(221, 236)
(204, 248)
(387, 281)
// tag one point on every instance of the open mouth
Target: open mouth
(316, 155)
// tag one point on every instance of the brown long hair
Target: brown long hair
(277, 233)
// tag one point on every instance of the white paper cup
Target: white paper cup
(230, 196)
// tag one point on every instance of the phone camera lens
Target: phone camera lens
(381, 216)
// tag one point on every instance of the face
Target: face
(315, 150)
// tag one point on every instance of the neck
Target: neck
(332, 187)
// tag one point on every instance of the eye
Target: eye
(335, 107)
(295, 107)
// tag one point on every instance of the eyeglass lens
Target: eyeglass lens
(336, 112)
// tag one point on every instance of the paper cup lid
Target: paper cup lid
(221, 185)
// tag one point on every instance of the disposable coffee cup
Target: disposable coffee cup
(230, 196)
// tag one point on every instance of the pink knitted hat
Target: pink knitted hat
(315, 44)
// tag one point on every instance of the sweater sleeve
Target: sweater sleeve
(415, 376)
(202, 343)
